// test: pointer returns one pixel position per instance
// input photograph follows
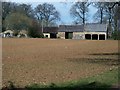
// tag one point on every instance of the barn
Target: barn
(50, 32)
(90, 31)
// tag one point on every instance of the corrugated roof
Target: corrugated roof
(70, 28)
(94, 27)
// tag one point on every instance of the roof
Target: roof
(89, 27)
(95, 27)
(50, 30)
(8, 31)
(70, 28)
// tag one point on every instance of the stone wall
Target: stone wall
(61, 35)
(78, 35)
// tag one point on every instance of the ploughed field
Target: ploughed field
(45, 61)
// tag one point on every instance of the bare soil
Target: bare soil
(45, 61)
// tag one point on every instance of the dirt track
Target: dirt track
(43, 61)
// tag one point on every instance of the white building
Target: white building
(7, 33)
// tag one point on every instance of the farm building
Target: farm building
(71, 31)
(92, 31)
(50, 32)
(7, 33)
(10, 33)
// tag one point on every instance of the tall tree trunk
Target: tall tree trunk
(83, 17)
(101, 18)
(83, 14)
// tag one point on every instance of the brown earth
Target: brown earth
(44, 61)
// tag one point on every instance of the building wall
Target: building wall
(81, 35)
(46, 34)
(61, 35)
(78, 35)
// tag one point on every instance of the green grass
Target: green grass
(103, 81)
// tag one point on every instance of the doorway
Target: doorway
(94, 37)
(88, 36)
(68, 35)
(101, 37)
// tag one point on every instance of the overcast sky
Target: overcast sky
(63, 6)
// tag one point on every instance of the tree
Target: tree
(6, 9)
(17, 21)
(103, 11)
(25, 9)
(35, 30)
(116, 18)
(79, 11)
(47, 14)
(112, 12)
(100, 14)
(10, 7)
(105, 15)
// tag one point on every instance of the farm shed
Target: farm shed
(50, 32)
(91, 31)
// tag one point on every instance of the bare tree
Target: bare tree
(79, 11)
(100, 14)
(104, 14)
(47, 14)
(103, 11)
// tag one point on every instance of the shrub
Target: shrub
(116, 35)
(34, 33)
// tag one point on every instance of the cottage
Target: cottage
(7, 33)
(92, 31)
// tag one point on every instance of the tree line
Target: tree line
(24, 16)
